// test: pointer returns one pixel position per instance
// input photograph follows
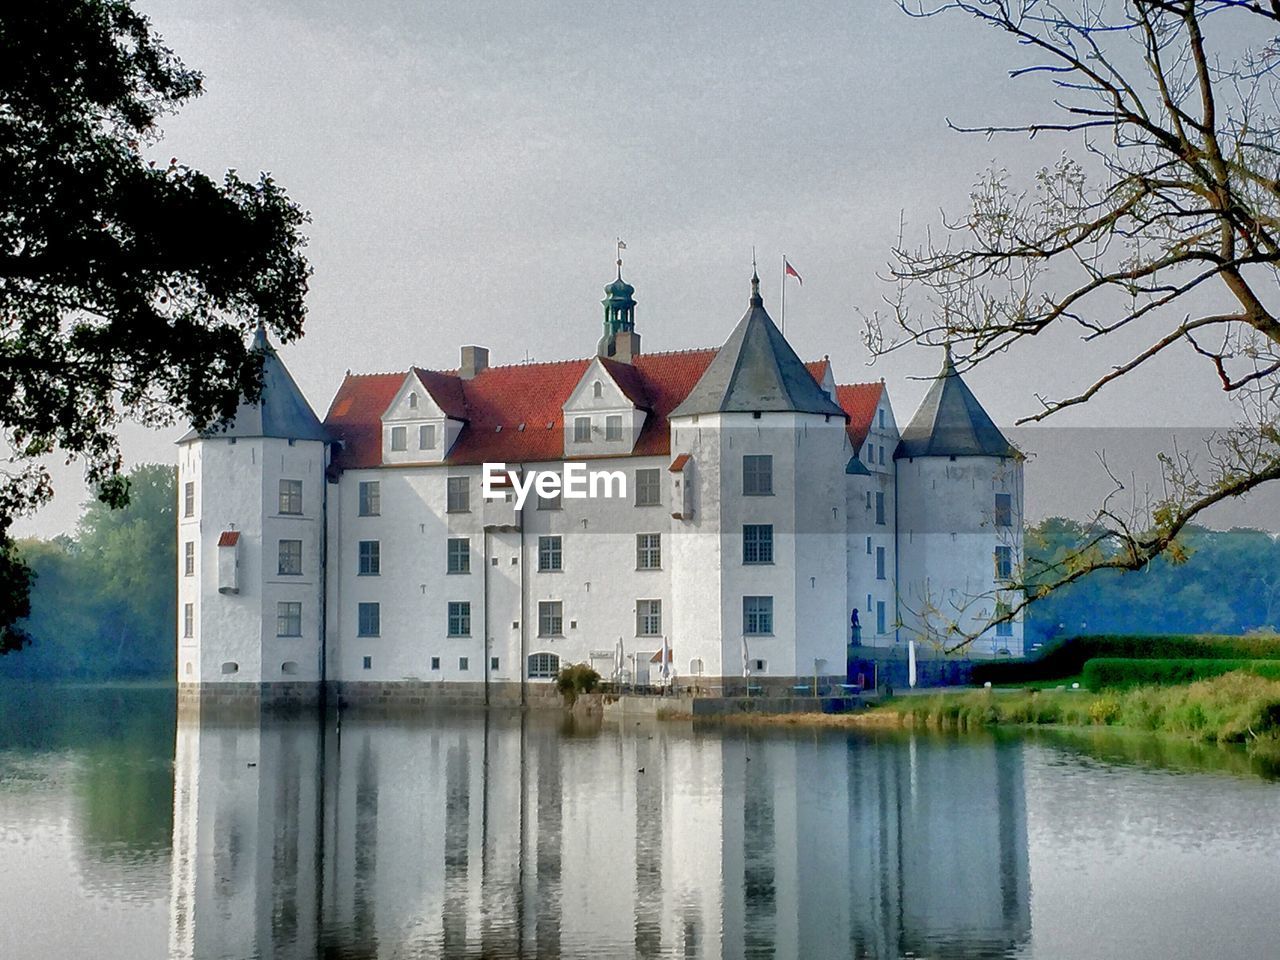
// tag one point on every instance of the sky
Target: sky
(468, 166)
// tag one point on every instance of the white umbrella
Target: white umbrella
(619, 662)
(664, 671)
(911, 662)
(746, 659)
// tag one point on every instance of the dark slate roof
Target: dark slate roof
(952, 423)
(281, 411)
(756, 369)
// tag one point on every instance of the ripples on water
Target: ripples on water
(500, 835)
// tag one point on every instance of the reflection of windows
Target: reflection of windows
(1005, 627)
(613, 428)
(648, 551)
(370, 558)
(290, 496)
(757, 615)
(1004, 563)
(399, 438)
(648, 492)
(648, 618)
(1004, 510)
(459, 555)
(459, 618)
(543, 666)
(581, 429)
(288, 619)
(550, 618)
(757, 475)
(370, 498)
(290, 558)
(368, 620)
(548, 554)
(459, 492)
(757, 543)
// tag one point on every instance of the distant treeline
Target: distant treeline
(104, 602)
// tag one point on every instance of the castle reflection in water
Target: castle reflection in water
(510, 835)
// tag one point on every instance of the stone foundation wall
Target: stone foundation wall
(247, 697)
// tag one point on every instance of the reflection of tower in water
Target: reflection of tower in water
(503, 835)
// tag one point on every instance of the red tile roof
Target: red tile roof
(859, 401)
(228, 538)
(525, 400)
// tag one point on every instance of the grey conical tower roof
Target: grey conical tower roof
(756, 369)
(281, 411)
(952, 423)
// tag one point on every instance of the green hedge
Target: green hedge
(1104, 672)
(1066, 658)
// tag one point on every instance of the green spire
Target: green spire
(619, 308)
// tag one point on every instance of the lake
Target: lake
(127, 833)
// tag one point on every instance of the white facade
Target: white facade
(753, 524)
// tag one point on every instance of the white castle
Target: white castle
(764, 504)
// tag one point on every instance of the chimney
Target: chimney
(474, 360)
(626, 346)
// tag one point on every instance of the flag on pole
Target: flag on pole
(790, 271)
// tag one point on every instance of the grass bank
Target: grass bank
(1237, 708)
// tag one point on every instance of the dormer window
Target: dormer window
(413, 401)
(427, 436)
(399, 438)
(597, 390)
(581, 429)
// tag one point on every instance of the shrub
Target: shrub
(575, 679)
(1103, 672)
(1067, 657)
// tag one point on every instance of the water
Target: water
(126, 834)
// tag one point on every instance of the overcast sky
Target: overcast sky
(467, 166)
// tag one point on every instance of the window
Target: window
(648, 489)
(459, 618)
(868, 546)
(369, 620)
(399, 438)
(291, 496)
(413, 401)
(188, 619)
(1005, 627)
(581, 429)
(367, 663)
(290, 558)
(1004, 510)
(757, 543)
(879, 563)
(459, 495)
(189, 559)
(881, 413)
(464, 663)
(435, 663)
(1004, 563)
(459, 555)
(548, 554)
(648, 551)
(757, 475)
(597, 390)
(552, 502)
(370, 498)
(613, 428)
(648, 618)
(543, 666)
(288, 619)
(493, 664)
(370, 558)
(427, 436)
(757, 616)
(881, 625)
(189, 499)
(880, 507)
(759, 666)
(550, 618)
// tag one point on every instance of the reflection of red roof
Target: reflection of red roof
(229, 538)
(515, 413)
(859, 401)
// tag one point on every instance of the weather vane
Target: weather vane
(622, 245)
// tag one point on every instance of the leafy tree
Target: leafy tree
(127, 288)
(1162, 223)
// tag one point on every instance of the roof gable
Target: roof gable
(952, 423)
(860, 402)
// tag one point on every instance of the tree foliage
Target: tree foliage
(1161, 221)
(104, 604)
(127, 287)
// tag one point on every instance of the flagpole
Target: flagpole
(782, 310)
